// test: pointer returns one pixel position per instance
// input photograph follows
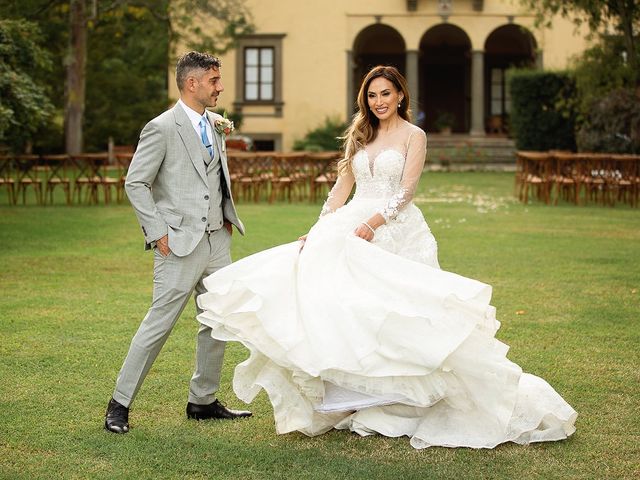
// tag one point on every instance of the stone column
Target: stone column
(350, 94)
(539, 60)
(477, 93)
(412, 78)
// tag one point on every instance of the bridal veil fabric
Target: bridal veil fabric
(375, 337)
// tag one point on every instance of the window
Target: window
(500, 98)
(259, 73)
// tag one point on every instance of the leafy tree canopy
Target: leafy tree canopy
(130, 45)
(24, 108)
(603, 17)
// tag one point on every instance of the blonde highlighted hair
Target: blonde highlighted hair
(364, 126)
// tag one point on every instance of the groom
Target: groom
(178, 185)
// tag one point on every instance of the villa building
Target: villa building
(306, 59)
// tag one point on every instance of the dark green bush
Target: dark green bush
(324, 138)
(613, 124)
(542, 110)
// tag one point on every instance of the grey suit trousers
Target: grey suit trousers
(174, 280)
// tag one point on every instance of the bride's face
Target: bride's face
(383, 98)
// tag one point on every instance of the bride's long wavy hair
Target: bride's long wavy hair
(364, 126)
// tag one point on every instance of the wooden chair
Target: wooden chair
(92, 173)
(625, 184)
(285, 175)
(57, 167)
(566, 176)
(7, 179)
(325, 173)
(123, 160)
(250, 173)
(595, 177)
(27, 175)
(537, 174)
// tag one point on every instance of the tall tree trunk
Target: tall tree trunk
(75, 84)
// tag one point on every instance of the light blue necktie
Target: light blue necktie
(204, 137)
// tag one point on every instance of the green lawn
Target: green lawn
(75, 283)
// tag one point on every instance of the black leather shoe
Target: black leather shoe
(116, 419)
(214, 410)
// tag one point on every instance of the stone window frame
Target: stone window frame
(269, 40)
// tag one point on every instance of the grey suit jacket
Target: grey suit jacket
(167, 182)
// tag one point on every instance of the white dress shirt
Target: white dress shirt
(195, 121)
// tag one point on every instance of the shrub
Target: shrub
(613, 124)
(542, 110)
(323, 138)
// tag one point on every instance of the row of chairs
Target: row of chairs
(270, 176)
(78, 176)
(578, 178)
(255, 176)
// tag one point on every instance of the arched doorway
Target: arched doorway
(377, 44)
(507, 46)
(444, 78)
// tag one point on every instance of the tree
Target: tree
(24, 108)
(87, 18)
(600, 15)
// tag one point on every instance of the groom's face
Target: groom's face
(208, 88)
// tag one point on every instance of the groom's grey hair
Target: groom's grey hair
(191, 61)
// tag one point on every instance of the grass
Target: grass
(75, 283)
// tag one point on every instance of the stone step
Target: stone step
(459, 148)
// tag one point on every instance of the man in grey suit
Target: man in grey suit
(178, 184)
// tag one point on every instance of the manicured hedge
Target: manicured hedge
(542, 116)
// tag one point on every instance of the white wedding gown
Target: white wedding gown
(374, 337)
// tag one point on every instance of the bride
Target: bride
(355, 326)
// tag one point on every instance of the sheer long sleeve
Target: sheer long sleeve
(414, 164)
(338, 194)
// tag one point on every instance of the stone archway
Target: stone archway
(377, 44)
(506, 47)
(445, 77)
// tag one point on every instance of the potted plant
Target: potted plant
(444, 122)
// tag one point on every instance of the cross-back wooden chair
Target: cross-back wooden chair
(325, 173)
(123, 161)
(56, 175)
(286, 175)
(596, 177)
(28, 175)
(566, 176)
(625, 182)
(7, 178)
(537, 174)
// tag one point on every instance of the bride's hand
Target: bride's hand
(302, 239)
(364, 231)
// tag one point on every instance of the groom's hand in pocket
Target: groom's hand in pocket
(228, 226)
(163, 246)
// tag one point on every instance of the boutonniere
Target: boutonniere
(224, 127)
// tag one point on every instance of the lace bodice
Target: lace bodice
(389, 175)
(380, 176)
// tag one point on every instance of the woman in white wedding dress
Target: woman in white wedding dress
(356, 326)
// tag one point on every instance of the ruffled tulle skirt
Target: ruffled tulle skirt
(375, 338)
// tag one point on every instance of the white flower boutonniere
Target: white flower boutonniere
(224, 126)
